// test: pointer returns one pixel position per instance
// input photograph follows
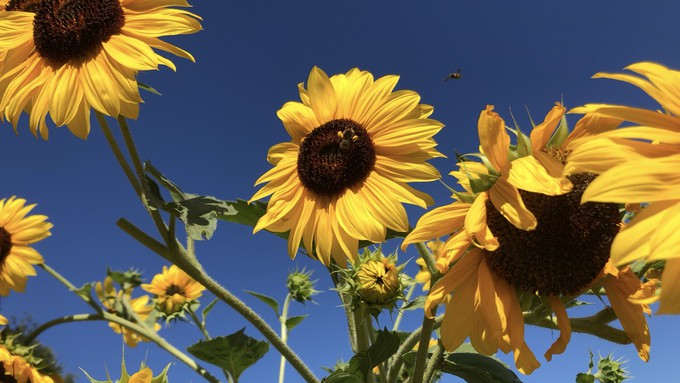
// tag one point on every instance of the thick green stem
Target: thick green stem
(406, 346)
(382, 366)
(57, 321)
(284, 334)
(430, 261)
(363, 321)
(433, 364)
(334, 271)
(595, 325)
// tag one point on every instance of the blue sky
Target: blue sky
(210, 131)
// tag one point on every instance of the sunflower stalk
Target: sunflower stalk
(118, 153)
(433, 364)
(284, 334)
(400, 313)
(408, 344)
(333, 270)
(595, 325)
(103, 315)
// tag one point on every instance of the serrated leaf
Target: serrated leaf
(339, 376)
(478, 368)
(233, 353)
(174, 190)
(294, 321)
(271, 302)
(248, 214)
(361, 364)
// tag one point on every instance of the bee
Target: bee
(346, 137)
(454, 75)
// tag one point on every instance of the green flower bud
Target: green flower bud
(300, 286)
(378, 281)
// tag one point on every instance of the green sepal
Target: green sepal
(560, 135)
(148, 88)
(126, 279)
(269, 301)
(233, 353)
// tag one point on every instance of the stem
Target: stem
(67, 319)
(333, 270)
(118, 153)
(594, 325)
(87, 298)
(363, 336)
(430, 261)
(200, 326)
(142, 237)
(284, 334)
(405, 347)
(381, 366)
(421, 357)
(435, 360)
(400, 314)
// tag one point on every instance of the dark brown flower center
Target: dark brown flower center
(335, 156)
(5, 245)
(4, 378)
(173, 289)
(567, 250)
(65, 30)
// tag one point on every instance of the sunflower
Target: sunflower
(14, 368)
(493, 264)
(112, 300)
(355, 144)
(173, 289)
(17, 233)
(65, 57)
(639, 163)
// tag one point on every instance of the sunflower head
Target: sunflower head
(69, 57)
(18, 231)
(355, 145)
(174, 290)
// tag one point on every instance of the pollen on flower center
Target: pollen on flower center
(5, 244)
(174, 289)
(566, 251)
(65, 30)
(335, 156)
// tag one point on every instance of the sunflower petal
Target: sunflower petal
(507, 200)
(493, 138)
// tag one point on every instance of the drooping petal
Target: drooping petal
(670, 293)
(540, 134)
(476, 227)
(564, 326)
(507, 200)
(493, 138)
(527, 173)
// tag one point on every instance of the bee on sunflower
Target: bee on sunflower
(517, 233)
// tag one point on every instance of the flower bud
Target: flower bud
(300, 286)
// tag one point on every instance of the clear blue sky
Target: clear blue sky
(211, 129)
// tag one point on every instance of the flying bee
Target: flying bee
(346, 137)
(454, 75)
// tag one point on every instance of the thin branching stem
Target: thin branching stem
(118, 153)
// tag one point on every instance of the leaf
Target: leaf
(233, 353)
(207, 310)
(478, 368)
(361, 364)
(199, 213)
(414, 304)
(294, 321)
(560, 135)
(271, 302)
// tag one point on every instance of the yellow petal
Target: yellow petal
(563, 325)
(540, 134)
(461, 272)
(591, 124)
(630, 314)
(528, 174)
(131, 53)
(507, 200)
(475, 224)
(493, 138)
(670, 288)
(460, 317)
(438, 222)
(635, 115)
(321, 95)
(633, 242)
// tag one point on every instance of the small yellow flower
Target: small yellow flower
(378, 281)
(173, 288)
(17, 232)
(111, 298)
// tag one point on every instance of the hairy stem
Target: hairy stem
(284, 334)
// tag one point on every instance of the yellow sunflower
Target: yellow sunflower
(639, 163)
(111, 300)
(17, 232)
(355, 144)
(490, 262)
(15, 368)
(65, 57)
(173, 289)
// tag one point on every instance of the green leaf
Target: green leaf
(414, 304)
(233, 353)
(361, 364)
(478, 368)
(248, 214)
(271, 302)
(294, 321)
(207, 310)
(199, 213)
(582, 377)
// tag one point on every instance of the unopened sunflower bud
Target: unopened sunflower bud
(611, 370)
(378, 281)
(300, 286)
